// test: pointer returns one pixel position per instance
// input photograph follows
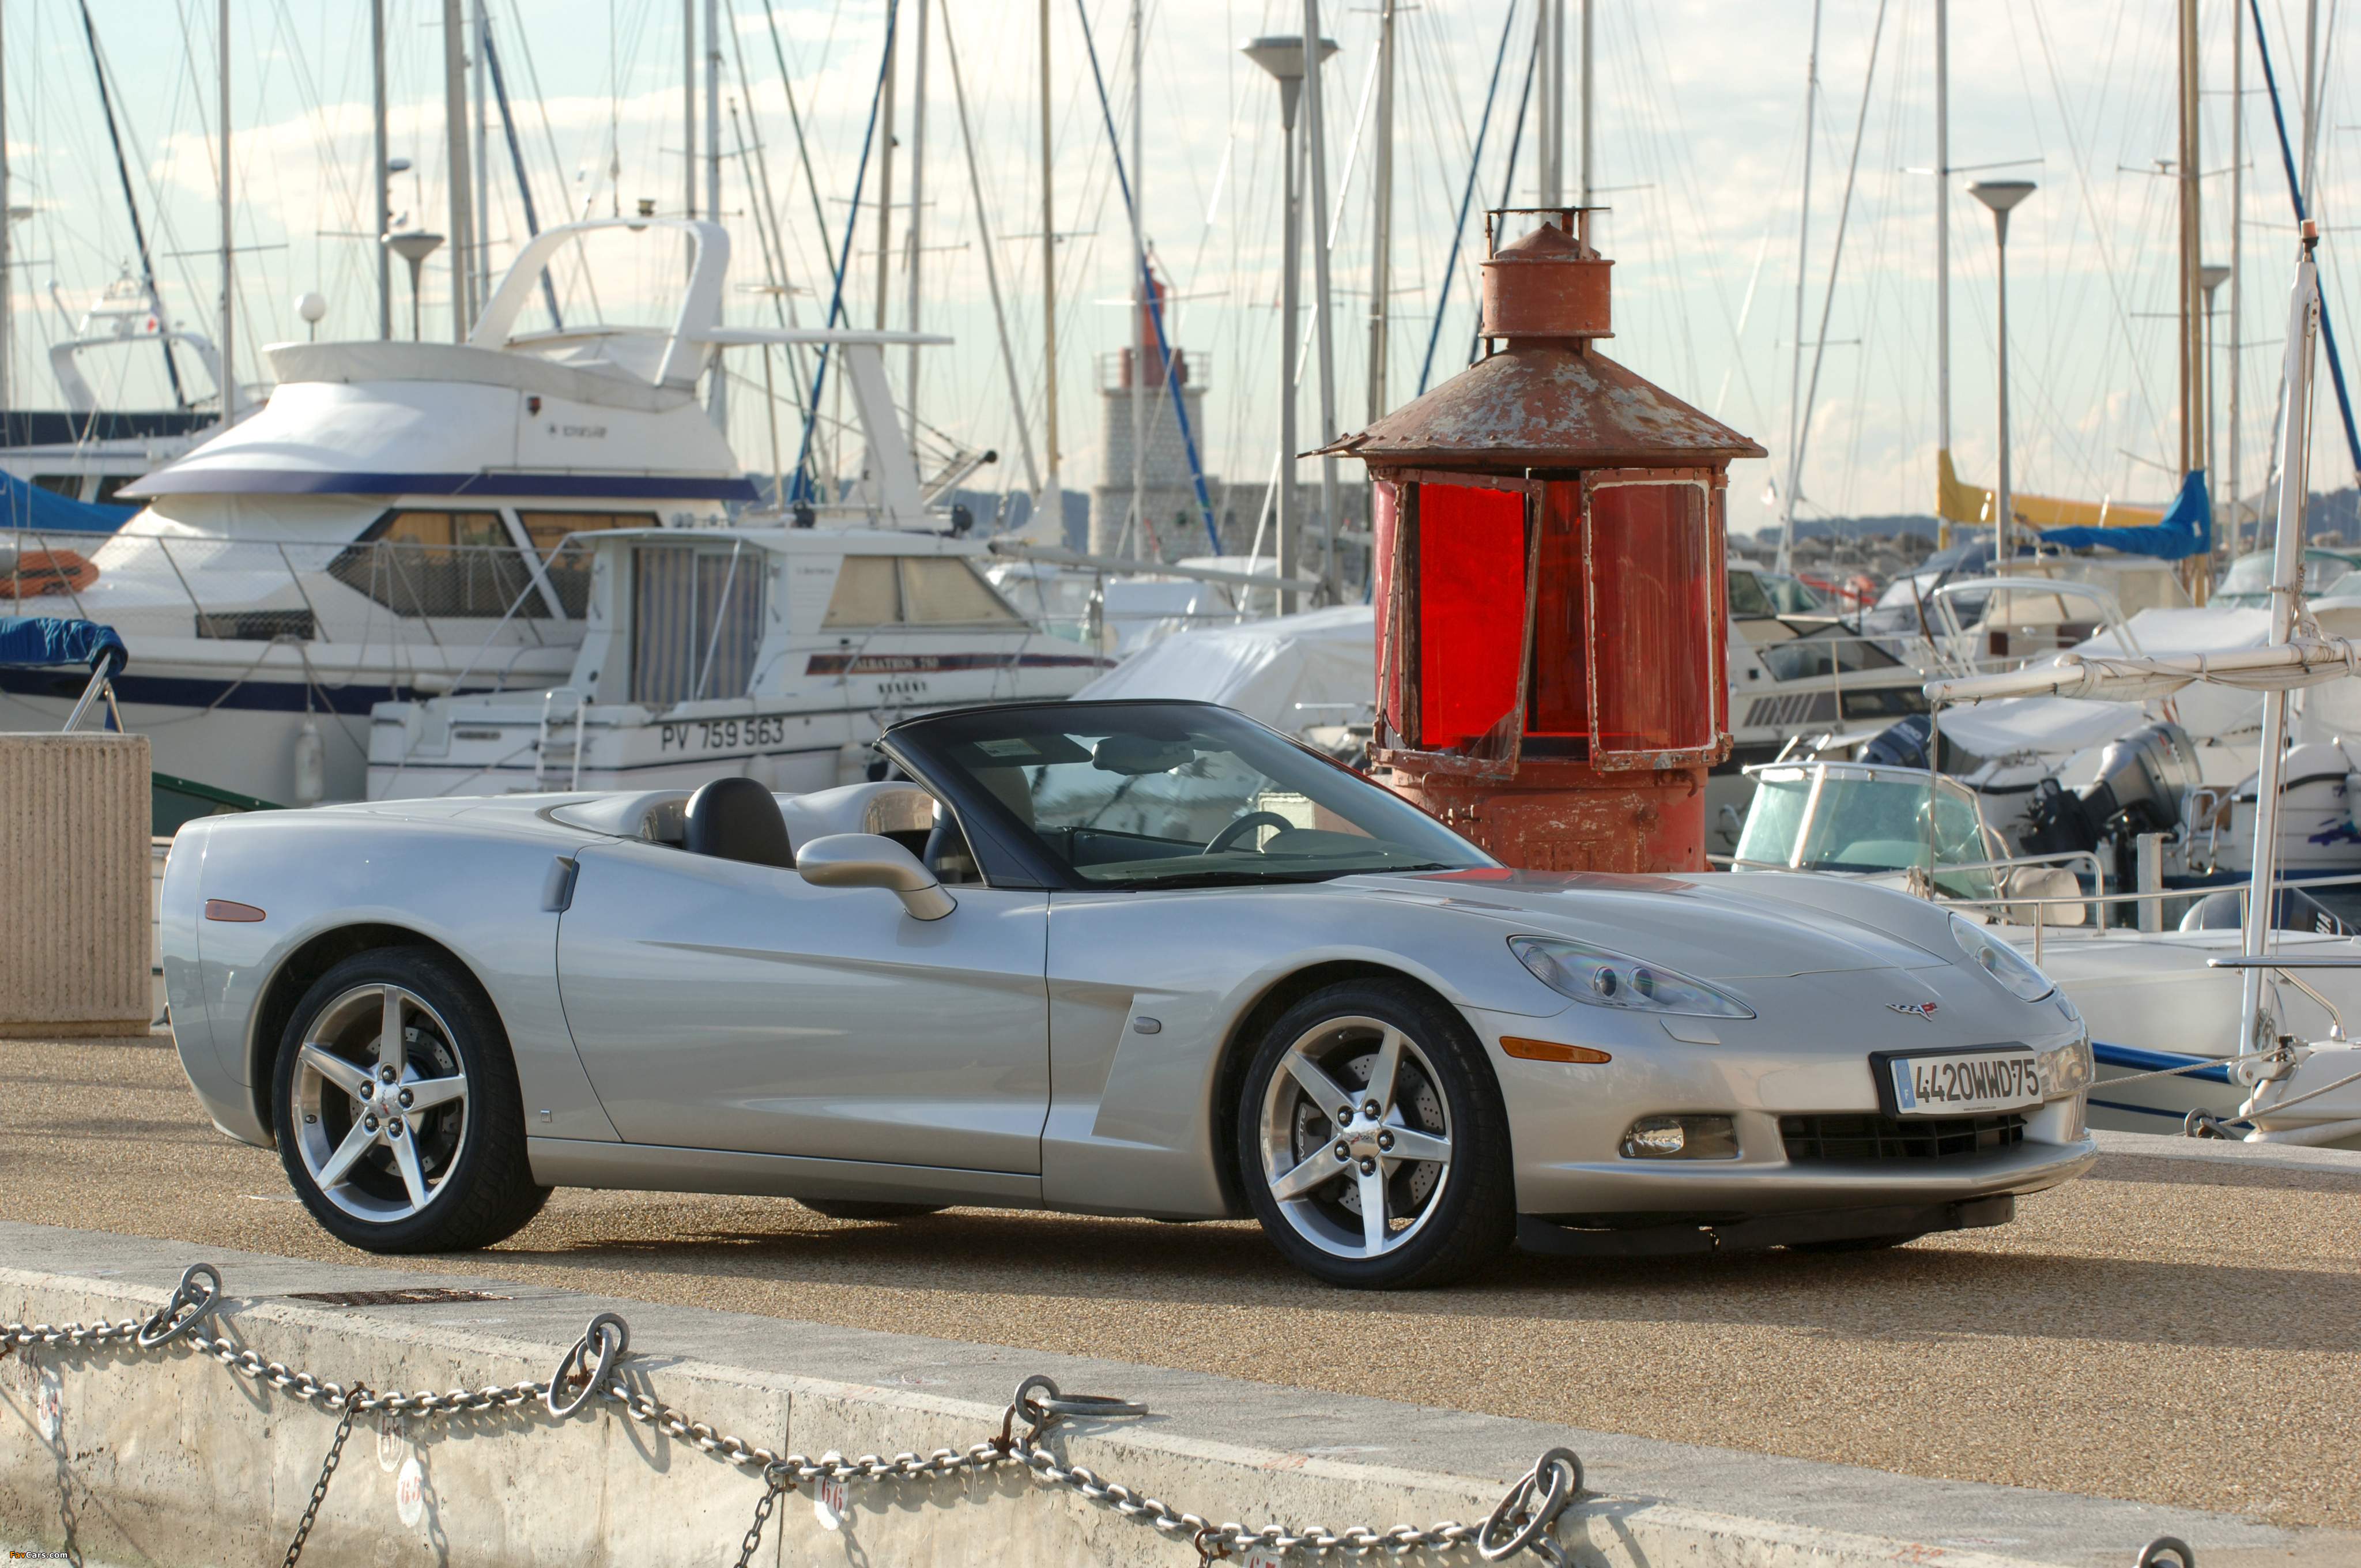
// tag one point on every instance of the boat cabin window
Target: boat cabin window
(67, 484)
(568, 568)
(917, 590)
(110, 485)
(435, 564)
(696, 620)
(1807, 658)
(1747, 599)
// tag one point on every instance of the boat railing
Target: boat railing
(260, 589)
(2105, 900)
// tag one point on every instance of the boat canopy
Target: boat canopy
(38, 641)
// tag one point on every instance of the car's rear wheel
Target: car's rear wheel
(399, 1118)
(1372, 1141)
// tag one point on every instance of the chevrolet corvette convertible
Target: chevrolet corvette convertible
(1135, 959)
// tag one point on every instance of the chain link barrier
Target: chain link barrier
(1522, 1521)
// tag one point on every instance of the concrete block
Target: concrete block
(75, 952)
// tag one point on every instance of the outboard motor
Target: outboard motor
(1901, 744)
(2144, 778)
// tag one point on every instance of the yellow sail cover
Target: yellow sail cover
(1956, 503)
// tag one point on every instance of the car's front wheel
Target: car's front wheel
(399, 1118)
(1372, 1141)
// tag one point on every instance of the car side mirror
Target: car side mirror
(870, 859)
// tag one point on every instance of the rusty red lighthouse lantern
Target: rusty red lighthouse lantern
(1552, 662)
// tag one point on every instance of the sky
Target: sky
(1699, 110)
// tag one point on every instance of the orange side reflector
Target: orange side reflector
(223, 909)
(1550, 1050)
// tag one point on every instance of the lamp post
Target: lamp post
(2001, 195)
(413, 246)
(1283, 59)
(2211, 276)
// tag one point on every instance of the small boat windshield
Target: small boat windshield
(1861, 819)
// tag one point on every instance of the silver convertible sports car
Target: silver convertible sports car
(1139, 957)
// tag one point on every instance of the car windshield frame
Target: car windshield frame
(1010, 852)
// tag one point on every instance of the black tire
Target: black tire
(469, 1147)
(1858, 1244)
(1452, 1216)
(862, 1209)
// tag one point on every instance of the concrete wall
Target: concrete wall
(173, 1460)
(75, 949)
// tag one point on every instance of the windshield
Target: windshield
(2248, 583)
(1790, 596)
(1175, 794)
(1858, 821)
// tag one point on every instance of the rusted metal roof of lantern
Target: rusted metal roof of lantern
(1547, 405)
(1550, 400)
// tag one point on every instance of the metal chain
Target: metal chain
(1532, 1504)
(320, 1488)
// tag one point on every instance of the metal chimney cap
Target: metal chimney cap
(2000, 195)
(1283, 56)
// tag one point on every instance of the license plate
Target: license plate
(1958, 1083)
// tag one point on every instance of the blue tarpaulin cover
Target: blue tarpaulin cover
(2186, 530)
(31, 642)
(29, 506)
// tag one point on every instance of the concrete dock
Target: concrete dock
(2164, 1347)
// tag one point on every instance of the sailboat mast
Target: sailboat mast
(381, 184)
(2192, 369)
(1550, 167)
(1943, 242)
(1315, 147)
(227, 362)
(2310, 98)
(717, 405)
(480, 274)
(991, 260)
(918, 210)
(2238, 212)
(1803, 257)
(1053, 495)
(886, 183)
(2256, 1031)
(1587, 77)
(454, 138)
(688, 108)
(1382, 220)
(1137, 534)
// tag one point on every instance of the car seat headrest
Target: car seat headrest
(738, 819)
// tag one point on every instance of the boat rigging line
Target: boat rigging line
(802, 488)
(1467, 196)
(2296, 196)
(131, 204)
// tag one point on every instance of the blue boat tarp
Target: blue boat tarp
(44, 511)
(2186, 530)
(35, 641)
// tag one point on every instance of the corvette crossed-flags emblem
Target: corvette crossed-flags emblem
(1922, 1011)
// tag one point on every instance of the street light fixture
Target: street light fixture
(414, 245)
(1282, 57)
(2001, 195)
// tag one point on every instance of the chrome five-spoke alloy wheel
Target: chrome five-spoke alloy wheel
(381, 1102)
(1356, 1137)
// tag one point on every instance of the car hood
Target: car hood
(1715, 927)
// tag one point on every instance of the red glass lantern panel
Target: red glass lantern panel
(1654, 671)
(1471, 561)
(1561, 680)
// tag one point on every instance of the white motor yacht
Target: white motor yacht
(771, 653)
(402, 519)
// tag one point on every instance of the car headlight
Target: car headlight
(1606, 978)
(2001, 962)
